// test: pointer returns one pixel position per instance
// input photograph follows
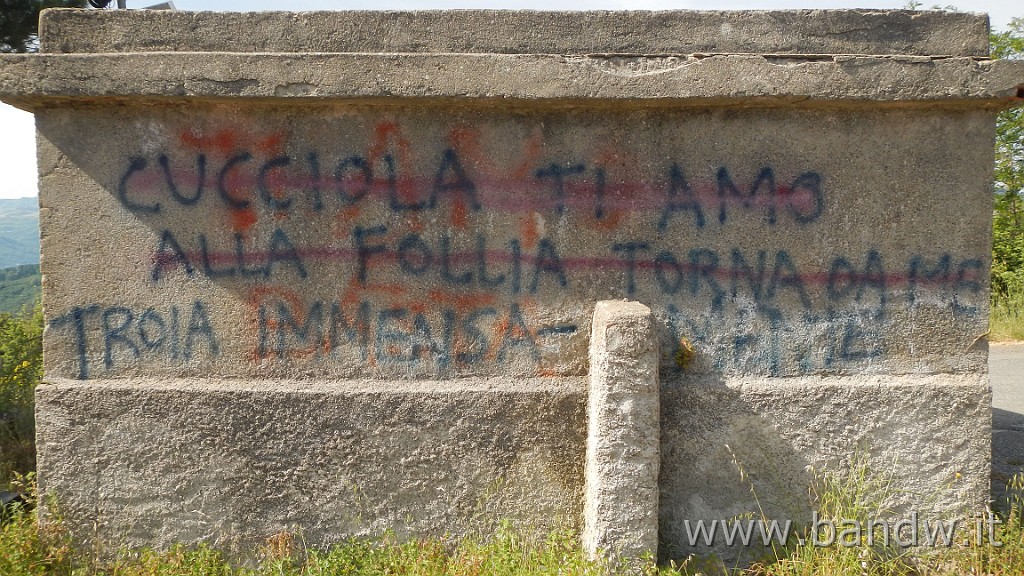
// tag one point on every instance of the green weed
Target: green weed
(28, 548)
(1006, 321)
(21, 368)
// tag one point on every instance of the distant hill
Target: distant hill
(19, 231)
(19, 287)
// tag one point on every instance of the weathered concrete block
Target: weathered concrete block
(623, 440)
(163, 461)
(924, 33)
(339, 220)
(415, 256)
(786, 435)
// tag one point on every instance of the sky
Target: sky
(17, 147)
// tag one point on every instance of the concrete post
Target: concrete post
(623, 455)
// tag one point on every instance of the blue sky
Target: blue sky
(17, 148)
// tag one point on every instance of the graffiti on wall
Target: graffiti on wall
(442, 261)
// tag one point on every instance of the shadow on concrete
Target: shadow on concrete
(1007, 452)
(724, 458)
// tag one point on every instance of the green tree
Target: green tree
(1008, 213)
(19, 22)
(21, 369)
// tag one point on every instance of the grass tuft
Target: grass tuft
(28, 548)
(1006, 314)
(1006, 323)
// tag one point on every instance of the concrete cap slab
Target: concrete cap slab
(30, 81)
(521, 32)
(704, 58)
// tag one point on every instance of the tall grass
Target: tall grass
(859, 494)
(855, 494)
(26, 549)
(30, 549)
(1006, 322)
(1006, 318)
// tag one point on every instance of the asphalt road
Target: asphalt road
(1006, 369)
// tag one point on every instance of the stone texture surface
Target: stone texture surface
(342, 292)
(522, 32)
(623, 443)
(157, 461)
(926, 436)
(834, 265)
(32, 81)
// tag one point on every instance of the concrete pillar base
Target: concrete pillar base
(621, 504)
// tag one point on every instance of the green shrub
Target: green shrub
(21, 369)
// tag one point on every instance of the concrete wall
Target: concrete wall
(343, 292)
(353, 241)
